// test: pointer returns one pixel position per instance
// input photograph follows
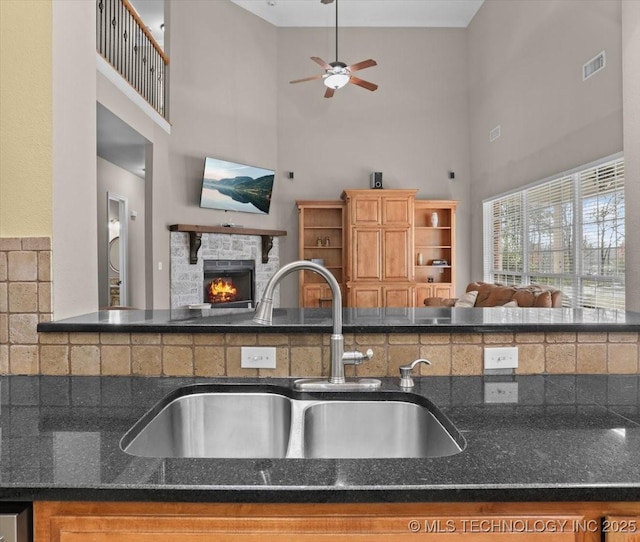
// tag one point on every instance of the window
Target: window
(566, 232)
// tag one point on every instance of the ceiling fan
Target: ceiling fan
(338, 74)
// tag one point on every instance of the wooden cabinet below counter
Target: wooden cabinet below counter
(621, 528)
(378, 522)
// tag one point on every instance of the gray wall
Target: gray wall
(631, 89)
(413, 128)
(74, 242)
(525, 73)
(223, 105)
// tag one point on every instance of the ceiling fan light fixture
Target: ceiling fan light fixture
(338, 74)
(336, 80)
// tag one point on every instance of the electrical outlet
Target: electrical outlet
(253, 357)
(500, 392)
(501, 358)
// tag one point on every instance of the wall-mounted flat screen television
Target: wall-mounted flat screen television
(236, 187)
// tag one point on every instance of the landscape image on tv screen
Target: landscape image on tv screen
(236, 187)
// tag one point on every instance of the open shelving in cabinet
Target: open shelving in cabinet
(321, 239)
(434, 248)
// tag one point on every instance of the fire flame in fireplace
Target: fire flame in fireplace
(222, 291)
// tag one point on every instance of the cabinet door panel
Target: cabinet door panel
(377, 522)
(234, 537)
(366, 254)
(400, 296)
(397, 211)
(422, 292)
(441, 290)
(136, 536)
(621, 528)
(366, 296)
(366, 212)
(381, 528)
(397, 247)
(316, 295)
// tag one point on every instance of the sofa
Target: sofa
(485, 294)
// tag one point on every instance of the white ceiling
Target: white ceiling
(369, 13)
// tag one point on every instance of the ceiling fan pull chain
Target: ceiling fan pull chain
(337, 31)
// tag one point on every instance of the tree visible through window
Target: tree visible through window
(567, 232)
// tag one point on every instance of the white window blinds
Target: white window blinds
(567, 232)
(505, 254)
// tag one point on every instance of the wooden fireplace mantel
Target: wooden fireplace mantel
(195, 237)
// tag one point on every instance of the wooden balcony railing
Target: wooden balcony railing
(126, 43)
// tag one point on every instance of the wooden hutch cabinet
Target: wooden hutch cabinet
(379, 263)
(380, 245)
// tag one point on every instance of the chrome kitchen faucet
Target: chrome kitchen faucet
(339, 358)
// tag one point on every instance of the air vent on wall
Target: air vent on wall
(593, 66)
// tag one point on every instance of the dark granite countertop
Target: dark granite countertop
(566, 438)
(355, 320)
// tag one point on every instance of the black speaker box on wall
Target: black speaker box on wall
(376, 179)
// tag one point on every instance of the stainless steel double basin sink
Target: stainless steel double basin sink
(267, 421)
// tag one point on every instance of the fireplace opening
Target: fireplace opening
(229, 283)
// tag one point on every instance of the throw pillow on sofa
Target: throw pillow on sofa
(543, 299)
(467, 299)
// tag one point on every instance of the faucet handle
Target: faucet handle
(406, 379)
(355, 357)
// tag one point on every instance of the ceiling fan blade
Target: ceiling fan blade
(312, 78)
(362, 65)
(321, 62)
(362, 83)
(329, 92)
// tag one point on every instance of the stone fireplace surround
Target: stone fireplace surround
(186, 279)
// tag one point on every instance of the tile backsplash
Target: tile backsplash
(25, 299)
(218, 354)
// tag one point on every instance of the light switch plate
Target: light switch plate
(501, 358)
(253, 357)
